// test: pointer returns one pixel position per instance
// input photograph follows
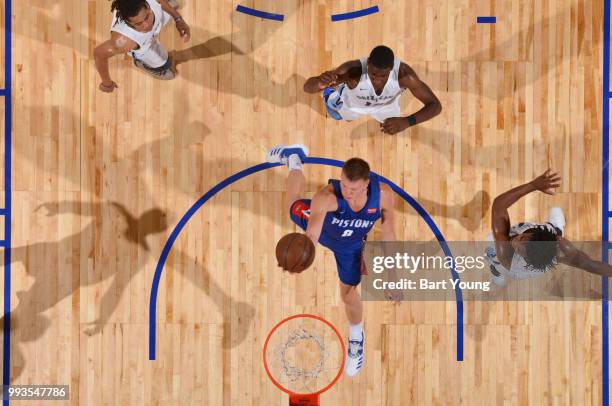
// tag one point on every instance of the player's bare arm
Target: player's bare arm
(408, 79)
(572, 256)
(181, 26)
(322, 203)
(388, 234)
(500, 219)
(348, 73)
(388, 213)
(117, 44)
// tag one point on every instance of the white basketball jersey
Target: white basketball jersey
(150, 50)
(363, 98)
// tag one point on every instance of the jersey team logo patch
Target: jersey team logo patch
(372, 210)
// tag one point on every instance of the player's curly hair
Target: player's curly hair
(127, 8)
(541, 249)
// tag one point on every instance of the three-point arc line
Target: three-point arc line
(260, 167)
(355, 14)
(259, 13)
(279, 17)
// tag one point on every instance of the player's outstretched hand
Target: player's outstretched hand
(393, 125)
(547, 182)
(328, 79)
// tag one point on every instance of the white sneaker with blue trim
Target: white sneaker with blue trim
(281, 153)
(354, 359)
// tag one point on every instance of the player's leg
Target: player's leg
(349, 272)
(293, 156)
(353, 307)
(164, 72)
(352, 303)
(296, 184)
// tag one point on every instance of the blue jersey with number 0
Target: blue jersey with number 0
(345, 229)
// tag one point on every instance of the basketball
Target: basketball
(295, 252)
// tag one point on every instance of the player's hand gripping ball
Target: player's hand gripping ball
(295, 252)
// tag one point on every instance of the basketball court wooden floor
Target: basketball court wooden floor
(100, 181)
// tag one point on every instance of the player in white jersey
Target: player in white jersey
(527, 250)
(135, 30)
(372, 86)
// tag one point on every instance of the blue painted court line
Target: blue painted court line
(605, 235)
(486, 20)
(8, 62)
(355, 14)
(257, 168)
(259, 13)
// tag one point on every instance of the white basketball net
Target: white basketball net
(294, 338)
(304, 355)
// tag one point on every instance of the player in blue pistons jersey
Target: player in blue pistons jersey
(345, 229)
(339, 217)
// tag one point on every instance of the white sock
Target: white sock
(294, 162)
(356, 331)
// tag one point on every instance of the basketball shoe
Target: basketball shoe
(354, 359)
(281, 153)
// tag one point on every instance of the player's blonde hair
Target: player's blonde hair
(356, 169)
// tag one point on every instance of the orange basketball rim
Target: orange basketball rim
(306, 330)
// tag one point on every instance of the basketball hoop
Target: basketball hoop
(304, 356)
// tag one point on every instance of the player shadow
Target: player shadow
(54, 25)
(473, 153)
(188, 138)
(367, 127)
(250, 35)
(501, 89)
(91, 145)
(241, 43)
(29, 322)
(237, 316)
(282, 94)
(459, 211)
(211, 48)
(53, 14)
